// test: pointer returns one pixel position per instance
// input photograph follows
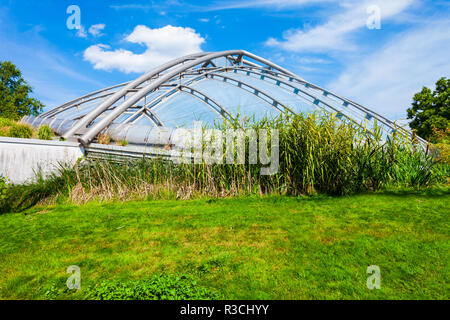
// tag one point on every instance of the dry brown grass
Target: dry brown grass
(4, 131)
(104, 138)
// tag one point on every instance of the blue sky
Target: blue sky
(324, 41)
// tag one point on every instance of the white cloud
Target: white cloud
(203, 20)
(314, 61)
(273, 4)
(334, 34)
(387, 80)
(131, 6)
(162, 45)
(81, 33)
(96, 29)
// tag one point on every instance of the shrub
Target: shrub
(5, 126)
(442, 145)
(122, 143)
(317, 154)
(4, 131)
(45, 132)
(23, 196)
(3, 186)
(5, 122)
(21, 131)
(159, 287)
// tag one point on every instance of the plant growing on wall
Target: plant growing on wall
(21, 131)
(3, 184)
(45, 132)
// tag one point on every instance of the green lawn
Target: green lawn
(245, 248)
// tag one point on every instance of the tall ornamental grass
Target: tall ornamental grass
(317, 154)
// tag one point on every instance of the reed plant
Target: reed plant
(318, 153)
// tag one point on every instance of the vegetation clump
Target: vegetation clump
(159, 287)
(104, 138)
(15, 100)
(15, 129)
(21, 131)
(3, 186)
(430, 110)
(45, 132)
(317, 154)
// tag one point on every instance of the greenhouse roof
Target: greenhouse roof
(201, 87)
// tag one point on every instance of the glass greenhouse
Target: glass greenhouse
(199, 87)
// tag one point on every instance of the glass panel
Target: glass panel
(283, 94)
(182, 109)
(234, 99)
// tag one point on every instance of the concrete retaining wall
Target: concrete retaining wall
(20, 159)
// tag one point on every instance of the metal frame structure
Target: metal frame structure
(99, 111)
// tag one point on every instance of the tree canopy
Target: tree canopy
(431, 109)
(15, 100)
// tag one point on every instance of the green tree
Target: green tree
(15, 101)
(431, 110)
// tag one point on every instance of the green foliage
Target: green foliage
(45, 132)
(159, 287)
(317, 155)
(11, 128)
(21, 131)
(250, 248)
(4, 131)
(15, 100)
(3, 186)
(431, 110)
(5, 126)
(23, 196)
(5, 122)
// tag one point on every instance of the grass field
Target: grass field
(245, 248)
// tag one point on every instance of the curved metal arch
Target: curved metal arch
(153, 117)
(275, 103)
(240, 84)
(120, 93)
(328, 93)
(54, 112)
(365, 112)
(296, 91)
(221, 110)
(99, 126)
(85, 99)
(369, 114)
(167, 74)
(80, 99)
(208, 101)
(177, 88)
(149, 115)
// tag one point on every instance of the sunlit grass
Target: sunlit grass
(274, 247)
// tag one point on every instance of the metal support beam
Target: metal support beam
(120, 94)
(169, 75)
